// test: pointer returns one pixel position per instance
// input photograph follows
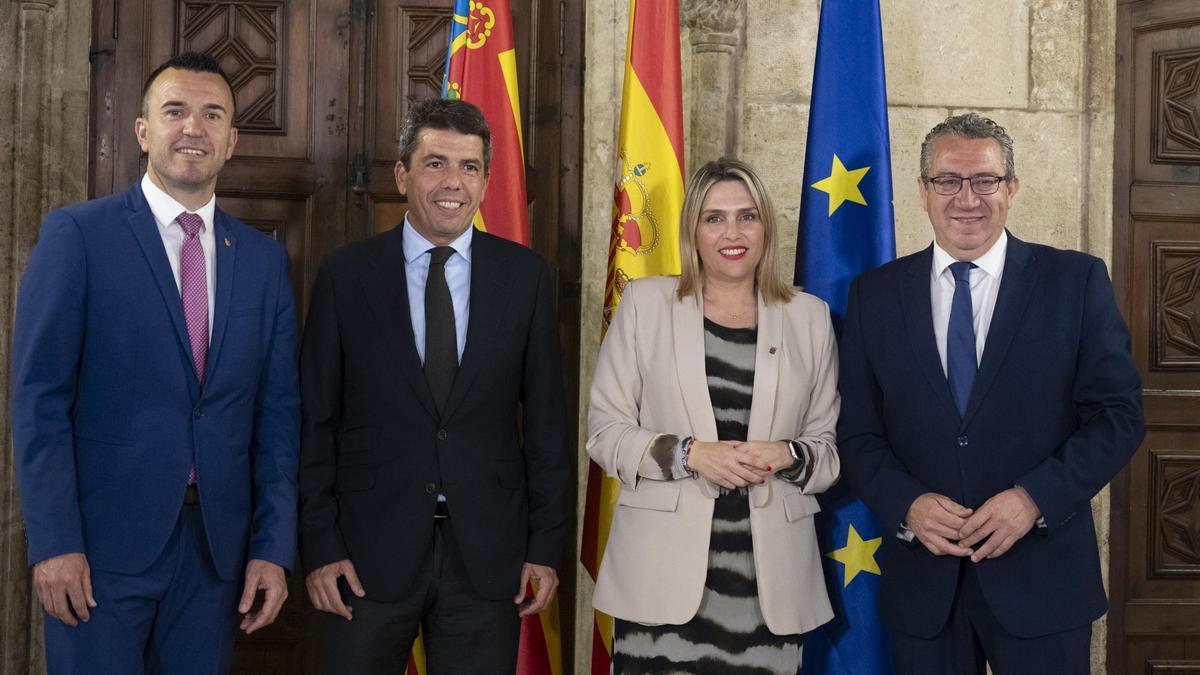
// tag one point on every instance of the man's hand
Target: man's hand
(268, 577)
(545, 581)
(64, 583)
(1002, 520)
(727, 464)
(323, 588)
(936, 520)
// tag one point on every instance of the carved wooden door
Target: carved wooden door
(321, 87)
(1154, 621)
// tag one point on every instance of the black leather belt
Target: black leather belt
(440, 512)
(191, 496)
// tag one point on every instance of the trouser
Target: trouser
(463, 633)
(973, 638)
(177, 617)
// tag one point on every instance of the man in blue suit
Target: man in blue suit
(155, 407)
(987, 395)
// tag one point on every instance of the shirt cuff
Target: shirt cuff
(664, 460)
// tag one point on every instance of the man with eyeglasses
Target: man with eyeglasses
(988, 394)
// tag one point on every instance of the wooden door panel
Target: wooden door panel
(1154, 622)
(286, 220)
(264, 48)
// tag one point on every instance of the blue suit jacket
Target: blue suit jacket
(107, 410)
(1056, 408)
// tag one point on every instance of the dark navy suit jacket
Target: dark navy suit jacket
(1056, 408)
(108, 411)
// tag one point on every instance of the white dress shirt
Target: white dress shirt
(985, 284)
(458, 278)
(165, 210)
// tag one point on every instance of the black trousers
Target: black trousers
(463, 632)
(973, 638)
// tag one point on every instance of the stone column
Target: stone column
(715, 32)
(44, 75)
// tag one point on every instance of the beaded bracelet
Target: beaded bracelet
(687, 444)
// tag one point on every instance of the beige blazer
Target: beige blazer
(650, 380)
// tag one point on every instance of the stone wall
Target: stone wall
(44, 75)
(1042, 68)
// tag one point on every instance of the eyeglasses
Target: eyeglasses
(983, 184)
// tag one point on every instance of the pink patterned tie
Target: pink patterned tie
(193, 288)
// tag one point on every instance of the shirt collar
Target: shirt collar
(416, 246)
(166, 209)
(991, 262)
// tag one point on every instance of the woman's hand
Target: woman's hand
(775, 455)
(727, 464)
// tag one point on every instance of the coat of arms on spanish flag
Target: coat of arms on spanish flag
(645, 229)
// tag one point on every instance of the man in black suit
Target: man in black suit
(988, 394)
(433, 451)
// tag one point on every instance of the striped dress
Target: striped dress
(728, 635)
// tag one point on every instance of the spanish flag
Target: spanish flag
(645, 227)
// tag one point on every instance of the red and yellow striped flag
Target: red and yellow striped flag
(645, 227)
(481, 67)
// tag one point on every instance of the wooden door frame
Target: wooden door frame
(1121, 270)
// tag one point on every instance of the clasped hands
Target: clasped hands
(945, 527)
(734, 464)
(64, 586)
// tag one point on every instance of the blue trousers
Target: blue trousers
(177, 617)
(973, 637)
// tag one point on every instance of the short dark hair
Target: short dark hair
(193, 62)
(444, 113)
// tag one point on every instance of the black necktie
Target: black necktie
(960, 338)
(441, 340)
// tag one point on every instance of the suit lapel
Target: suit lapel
(491, 286)
(226, 255)
(145, 231)
(917, 305)
(1016, 288)
(386, 288)
(766, 370)
(766, 380)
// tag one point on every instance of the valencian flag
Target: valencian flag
(645, 229)
(481, 67)
(846, 227)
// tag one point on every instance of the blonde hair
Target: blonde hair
(766, 277)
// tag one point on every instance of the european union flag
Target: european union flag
(846, 227)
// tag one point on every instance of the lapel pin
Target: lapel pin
(227, 242)
(771, 350)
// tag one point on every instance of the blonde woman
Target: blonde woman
(714, 404)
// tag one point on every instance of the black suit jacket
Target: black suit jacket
(374, 451)
(1056, 408)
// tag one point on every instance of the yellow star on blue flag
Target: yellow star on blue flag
(842, 185)
(857, 555)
